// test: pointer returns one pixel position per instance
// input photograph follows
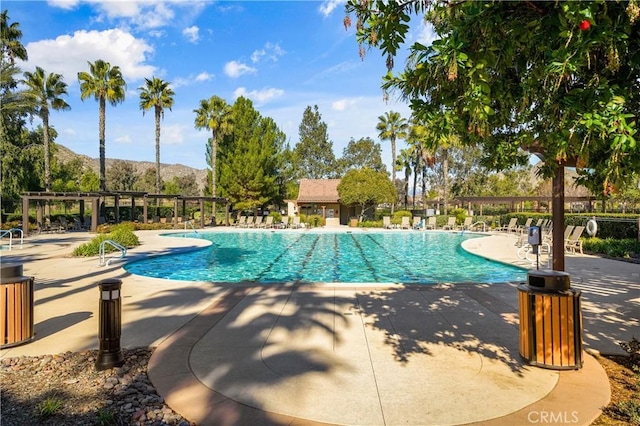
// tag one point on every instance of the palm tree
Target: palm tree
(392, 126)
(214, 114)
(45, 90)
(10, 35)
(104, 83)
(156, 94)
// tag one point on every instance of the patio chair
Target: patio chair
(574, 242)
(405, 224)
(431, 223)
(257, 222)
(526, 225)
(511, 227)
(466, 224)
(268, 222)
(386, 222)
(249, 222)
(241, 221)
(451, 223)
(417, 222)
(295, 223)
(567, 231)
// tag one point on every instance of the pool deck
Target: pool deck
(303, 354)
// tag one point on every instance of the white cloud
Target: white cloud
(426, 33)
(342, 104)
(191, 34)
(204, 76)
(191, 79)
(235, 69)
(259, 96)
(125, 139)
(63, 4)
(67, 55)
(172, 134)
(270, 51)
(329, 6)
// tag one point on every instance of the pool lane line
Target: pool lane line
(336, 253)
(408, 272)
(306, 259)
(277, 259)
(366, 260)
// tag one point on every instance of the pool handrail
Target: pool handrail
(10, 233)
(473, 225)
(123, 252)
(188, 222)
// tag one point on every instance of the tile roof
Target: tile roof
(318, 191)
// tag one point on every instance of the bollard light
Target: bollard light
(110, 325)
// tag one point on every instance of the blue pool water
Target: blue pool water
(371, 257)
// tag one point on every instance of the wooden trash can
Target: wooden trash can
(16, 304)
(550, 328)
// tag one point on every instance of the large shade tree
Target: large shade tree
(314, 155)
(156, 94)
(105, 84)
(392, 126)
(366, 188)
(559, 79)
(46, 91)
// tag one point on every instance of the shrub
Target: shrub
(50, 406)
(627, 248)
(121, 234)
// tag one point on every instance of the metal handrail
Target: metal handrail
(484, 226)
(192, 227)
(10, 233)
(123, 252)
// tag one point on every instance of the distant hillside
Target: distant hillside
(167, 171)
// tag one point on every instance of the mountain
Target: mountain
(167, 171)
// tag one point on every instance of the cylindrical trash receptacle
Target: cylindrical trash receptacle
(16, 302)
(110, 325)
(550, 321)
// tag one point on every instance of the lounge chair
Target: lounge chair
(451, 223)
(249, 222)
(526, 225)
(574, 242)
(268, 222)
(295, 223)
(241, 221)
(567, 231)
(417, 222)
(386, 222)
(431, 223)
(257, 223)
(405, 224)
(511, 227)
(466, 224)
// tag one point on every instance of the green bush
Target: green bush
(121, 234)
(627, 248)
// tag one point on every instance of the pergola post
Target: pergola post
(226, 216)
(145, 203)
(175, 212)
(95, 211)
(132, 215)
(25, 216)
(201, 213)
(116, 201)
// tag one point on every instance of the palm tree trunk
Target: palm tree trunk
(393, 168)
(445, 173)
(214, 159)
(157, 149)
(47, 151)
(101, 127)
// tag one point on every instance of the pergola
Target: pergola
(518, 200)
(94, 199)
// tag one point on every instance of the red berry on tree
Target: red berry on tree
(585, 25)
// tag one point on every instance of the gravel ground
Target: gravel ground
(65, 389)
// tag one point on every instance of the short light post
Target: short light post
(110, 325)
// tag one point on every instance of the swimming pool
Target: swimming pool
(359, 257)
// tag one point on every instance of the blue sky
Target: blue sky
(283, 55)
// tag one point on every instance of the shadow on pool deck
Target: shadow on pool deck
(303, 354)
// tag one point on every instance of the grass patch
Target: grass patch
(49, 407)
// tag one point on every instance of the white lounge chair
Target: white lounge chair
(431, 223)
(574, 242)
(386, 222)
(405, 223)
(466, 224)
(451, 223)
